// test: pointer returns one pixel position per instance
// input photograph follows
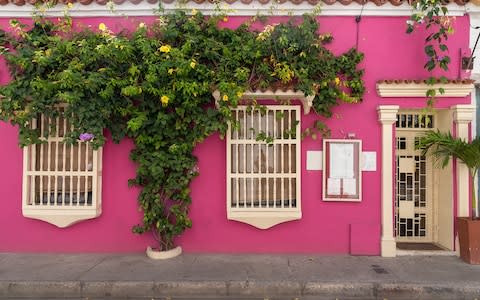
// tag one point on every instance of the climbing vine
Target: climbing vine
(154, 85)
(433, 15)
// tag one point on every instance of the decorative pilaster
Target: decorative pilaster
(462, 116)
(387, 115)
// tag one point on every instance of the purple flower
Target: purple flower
(195, 170)
(85, 137)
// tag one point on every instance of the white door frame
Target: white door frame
(387, 114)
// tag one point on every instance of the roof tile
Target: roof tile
(313, 2)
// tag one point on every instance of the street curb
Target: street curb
(261, 289)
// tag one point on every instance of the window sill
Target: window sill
(262, 219)
(62, 217)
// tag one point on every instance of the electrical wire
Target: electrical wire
(357, 21)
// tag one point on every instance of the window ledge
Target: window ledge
(419, 89)
(264, 220)
(62, 217)
(307, 101)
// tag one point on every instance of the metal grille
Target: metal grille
(412, 227)
(412, 203)
(414, 121)
(57, 175)
(264, 176)
(401, 143)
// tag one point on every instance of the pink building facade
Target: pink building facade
(371, 226)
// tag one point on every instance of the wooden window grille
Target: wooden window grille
(263, 179)
(61, 182)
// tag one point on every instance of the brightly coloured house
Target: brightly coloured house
(360, 191)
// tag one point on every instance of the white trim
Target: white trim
(238, 9)
(420, 89)
(462, 116)
(264, 220)
(387, 115)
(307, 101)
(62, 218)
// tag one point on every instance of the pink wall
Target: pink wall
(325, 226)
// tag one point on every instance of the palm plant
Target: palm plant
(444, 146)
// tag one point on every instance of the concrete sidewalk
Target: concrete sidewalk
(134, 276)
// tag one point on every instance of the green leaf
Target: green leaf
(137, 122)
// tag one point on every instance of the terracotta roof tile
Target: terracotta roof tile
(313, 2)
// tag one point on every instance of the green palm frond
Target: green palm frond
(443, 146)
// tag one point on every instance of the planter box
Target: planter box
(155, 254)
(469, 237)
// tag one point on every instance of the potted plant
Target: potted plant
(444, 146)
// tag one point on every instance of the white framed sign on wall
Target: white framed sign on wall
(342, 176)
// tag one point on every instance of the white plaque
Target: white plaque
(314, 160)
(369, 160)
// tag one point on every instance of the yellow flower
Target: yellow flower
(141, 25)
(70, 5)
(165, 48)
(193, 64)
(337, 80)
(239, 94)
(170, 71)
(225, 19)
(164, 99)
(194, 12)
(102, 27)
(225, 98)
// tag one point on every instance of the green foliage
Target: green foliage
(155, 86)
(443, 146)
(433, 14)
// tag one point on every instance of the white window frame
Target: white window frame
(264, 215)
(42, 195)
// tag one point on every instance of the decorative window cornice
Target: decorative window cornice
(307, 101)
(418, 88)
